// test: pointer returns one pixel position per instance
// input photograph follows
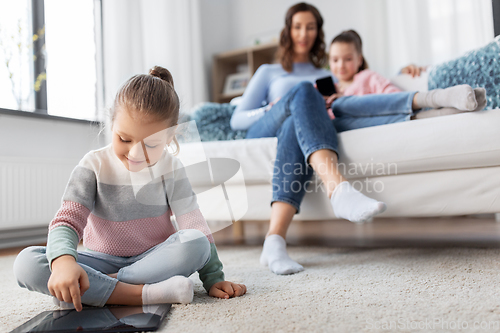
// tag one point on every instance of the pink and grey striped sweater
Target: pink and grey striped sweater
(124, 213)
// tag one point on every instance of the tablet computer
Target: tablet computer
(98, 320)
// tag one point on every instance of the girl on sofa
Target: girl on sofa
(307, 139)
(119, 199)
(349, 66)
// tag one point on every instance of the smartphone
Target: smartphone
(325, 86)
(97, 320)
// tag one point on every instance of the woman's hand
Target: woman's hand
(270, 105)
(413, 70)
(226, 289)
(275, 101)
(68, 281)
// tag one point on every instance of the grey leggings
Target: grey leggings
(170, 258)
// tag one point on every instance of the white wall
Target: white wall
(37, 156)
(232, 24)
(384, 26)
(23, 136)
(261, 18)
(264, 18)
(217, 35)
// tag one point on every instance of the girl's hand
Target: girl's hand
(226, 289)
(328, 103)
(329, 99)
(413, 70)
(68, 281)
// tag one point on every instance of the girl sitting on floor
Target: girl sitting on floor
(119, 199)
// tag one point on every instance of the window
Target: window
(463, 25)
(496, 16)
(71, 58)
(69, 52)
(16, 57)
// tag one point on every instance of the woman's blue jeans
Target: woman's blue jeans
(302, 125)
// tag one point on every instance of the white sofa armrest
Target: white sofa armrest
(407, 83)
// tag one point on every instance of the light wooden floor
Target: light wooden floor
(382, 232)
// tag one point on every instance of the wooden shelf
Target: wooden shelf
(227, 63)
(226, 98)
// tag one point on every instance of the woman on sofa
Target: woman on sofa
(307, 138)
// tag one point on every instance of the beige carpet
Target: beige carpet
(341, 290)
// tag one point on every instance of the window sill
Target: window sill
(40, 115)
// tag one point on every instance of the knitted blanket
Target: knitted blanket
(212, 120)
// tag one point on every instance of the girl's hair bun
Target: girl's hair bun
(352, 37)
(355, 35)
(162, 73)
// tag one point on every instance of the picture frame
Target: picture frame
(236, 83)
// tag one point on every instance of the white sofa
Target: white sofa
(438, 166)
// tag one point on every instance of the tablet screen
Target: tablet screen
(91, 319)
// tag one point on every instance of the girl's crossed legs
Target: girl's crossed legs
(158, 269)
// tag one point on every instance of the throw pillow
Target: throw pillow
(478, 68)
(212, 120)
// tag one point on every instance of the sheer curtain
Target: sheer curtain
(426, 32)
(138, 34)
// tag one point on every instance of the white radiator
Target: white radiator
(30, 195)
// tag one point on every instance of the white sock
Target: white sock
(275, 256)
(480, 94)
(461, 97)
(177, 289)
(153, 308)
(350, 204)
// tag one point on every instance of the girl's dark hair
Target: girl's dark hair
(317, 55)
(352, 37)
(151, 96)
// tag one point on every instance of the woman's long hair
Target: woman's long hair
(285, 54)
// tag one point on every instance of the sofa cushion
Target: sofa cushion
(212, 120)
(458, 141)
(478, 68)
(256, 156)
(408, 83)
(466, 140)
